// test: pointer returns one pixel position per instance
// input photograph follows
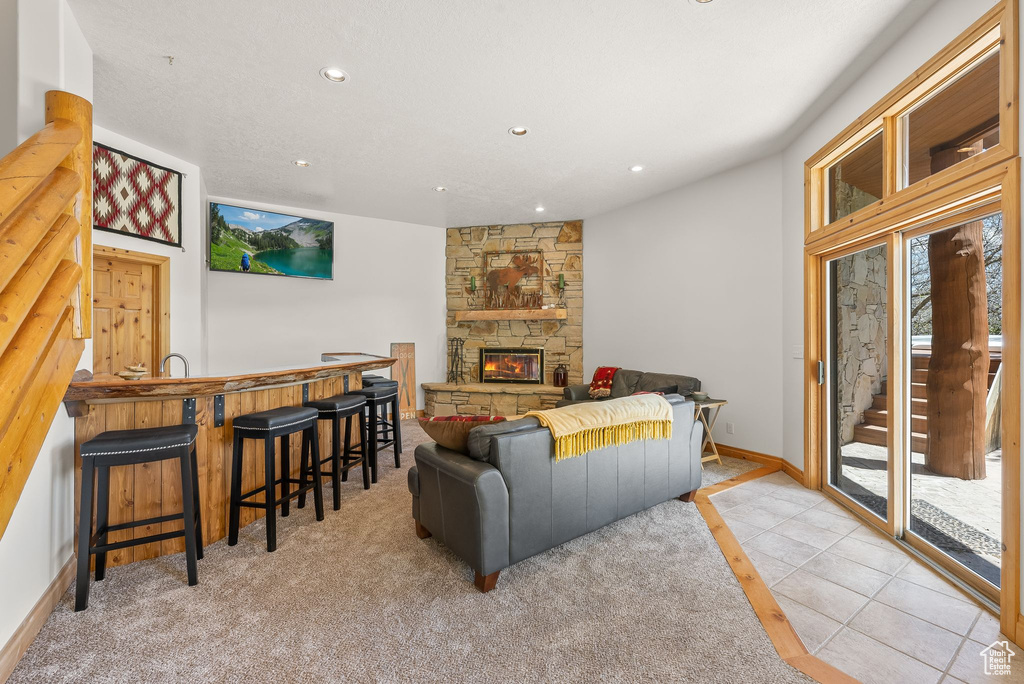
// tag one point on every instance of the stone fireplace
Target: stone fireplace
(524, 365)
(550, 257)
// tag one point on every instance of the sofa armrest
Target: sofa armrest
(576, 392)
(464, 503)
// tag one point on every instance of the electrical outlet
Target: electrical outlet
(798, 351)
(730, 428)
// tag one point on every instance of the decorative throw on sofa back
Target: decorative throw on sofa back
(601, 385)
(580, 428)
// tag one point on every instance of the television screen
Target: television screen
(254, 241)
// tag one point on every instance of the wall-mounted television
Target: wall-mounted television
(255, 241)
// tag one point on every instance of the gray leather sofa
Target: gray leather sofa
(510, 499)
(627, 382)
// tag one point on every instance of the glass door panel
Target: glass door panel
(955, 319)
(858, 375)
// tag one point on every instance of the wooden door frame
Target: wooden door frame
(161, 295)
(946, 206)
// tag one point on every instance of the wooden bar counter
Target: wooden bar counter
(149, 490)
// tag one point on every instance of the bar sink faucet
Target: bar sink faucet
(164, 361)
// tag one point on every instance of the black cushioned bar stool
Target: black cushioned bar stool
(335, 408)
(129, 447)
(268, 426)
(382, 432)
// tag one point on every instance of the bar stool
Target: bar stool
(382, 433)
(384, 424)
(268, 426)
(334, 409)
(129, 447)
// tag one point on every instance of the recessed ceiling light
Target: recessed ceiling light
(700, 2)
(519, 130)
(636, 168)
(539, 209)
(301, 162)
(334, 74)
(440, 188)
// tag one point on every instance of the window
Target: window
(855, 181)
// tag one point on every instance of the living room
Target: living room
(553, 291)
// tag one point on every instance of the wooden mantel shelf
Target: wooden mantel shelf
(511, 315)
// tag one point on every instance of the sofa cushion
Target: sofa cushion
(624, 382)
(480, 437)
(651, 382)
(452, 432)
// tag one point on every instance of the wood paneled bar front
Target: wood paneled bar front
(148, 490)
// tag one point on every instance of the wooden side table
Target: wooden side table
(714, 406)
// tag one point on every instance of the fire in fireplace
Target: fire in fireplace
(512, 364)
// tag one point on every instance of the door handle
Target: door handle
(821, 372)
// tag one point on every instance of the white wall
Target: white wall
(388, 287)
(187, 261)
(39, 537)
(8, 74)
(690, 282)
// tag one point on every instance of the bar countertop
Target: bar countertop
(105, 388)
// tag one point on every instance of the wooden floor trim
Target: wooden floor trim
(26, 633)
(764, 459)
(785, 639)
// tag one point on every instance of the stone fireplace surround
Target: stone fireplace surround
(558, 329)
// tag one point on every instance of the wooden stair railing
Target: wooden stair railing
(45, 282)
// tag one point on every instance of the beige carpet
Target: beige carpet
(358, 597)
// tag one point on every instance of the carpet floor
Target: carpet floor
(358, 597)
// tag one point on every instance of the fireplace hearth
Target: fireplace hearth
(523, 365)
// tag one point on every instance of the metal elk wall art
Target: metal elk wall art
(514, 280)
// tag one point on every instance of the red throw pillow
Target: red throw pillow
(601, 385)
(452, 432)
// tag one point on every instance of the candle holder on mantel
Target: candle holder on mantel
(561, 290)
(456, 360)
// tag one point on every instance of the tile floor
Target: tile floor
(856, 599)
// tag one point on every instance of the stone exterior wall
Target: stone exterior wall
(562, 245)
(861, 330)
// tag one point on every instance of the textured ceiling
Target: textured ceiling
(681, 88)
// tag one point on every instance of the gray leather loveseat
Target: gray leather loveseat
(510, 499)
(627, 382)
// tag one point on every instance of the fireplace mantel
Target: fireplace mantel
(511, 315)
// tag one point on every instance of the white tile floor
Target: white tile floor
(858, 602)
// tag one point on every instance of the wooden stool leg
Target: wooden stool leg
(84, 536)
(303, 470)
(318, 487)
(236, 490)
(397, 418)
(195, 503)
(335, 460)
(372, 431)
(188, 513)
(286, 472)
(102, 517)
(346, 456)
(268, 457)
(362, 450)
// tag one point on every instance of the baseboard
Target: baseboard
(26, 633)
(763, 459)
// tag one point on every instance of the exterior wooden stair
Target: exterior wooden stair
(45, 282)
(875, 427)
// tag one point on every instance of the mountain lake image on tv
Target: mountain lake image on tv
(254, 241)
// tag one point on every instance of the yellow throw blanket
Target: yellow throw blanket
(580, 428)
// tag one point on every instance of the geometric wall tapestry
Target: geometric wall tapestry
(134, 197)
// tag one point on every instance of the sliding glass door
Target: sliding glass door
(858, 372)
(913, 439)
(953, 400)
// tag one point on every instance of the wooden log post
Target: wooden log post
(62, 105)
(957, 384)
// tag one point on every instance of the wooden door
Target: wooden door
(128, 310)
